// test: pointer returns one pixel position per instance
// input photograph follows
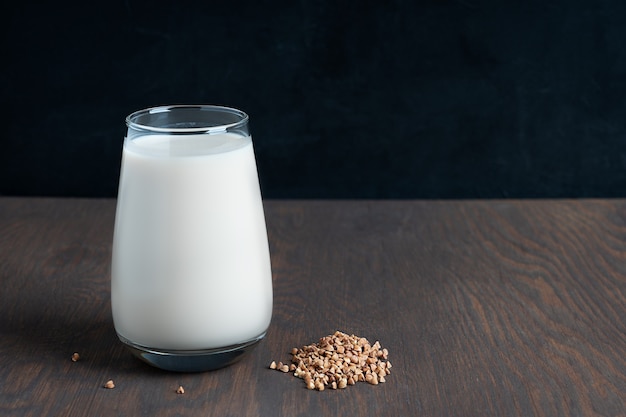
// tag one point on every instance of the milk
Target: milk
(191, 267)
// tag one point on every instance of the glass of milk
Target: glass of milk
(191, 282)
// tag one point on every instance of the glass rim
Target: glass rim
(131, 119)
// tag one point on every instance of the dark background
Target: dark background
(348, 99)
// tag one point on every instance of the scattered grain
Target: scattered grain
(338, 360)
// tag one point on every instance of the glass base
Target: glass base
(191, 360)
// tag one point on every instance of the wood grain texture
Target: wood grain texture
(488, 308)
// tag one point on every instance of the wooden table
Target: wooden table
(487, 308)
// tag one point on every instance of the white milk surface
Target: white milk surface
(191, 267)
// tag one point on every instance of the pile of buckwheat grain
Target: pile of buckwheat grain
(336, 361)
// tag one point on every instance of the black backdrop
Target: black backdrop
(348, 99)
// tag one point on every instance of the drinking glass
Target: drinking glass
(191, 282)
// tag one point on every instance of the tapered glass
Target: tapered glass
(191, 283)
